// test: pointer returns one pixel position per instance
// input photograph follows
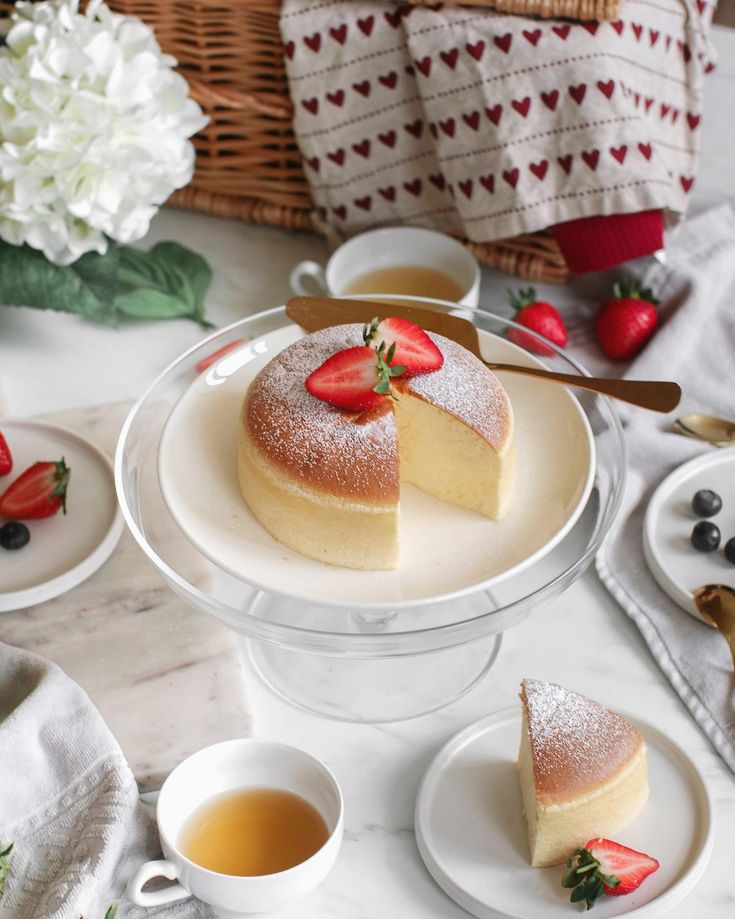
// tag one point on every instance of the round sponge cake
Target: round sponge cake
(326, 481)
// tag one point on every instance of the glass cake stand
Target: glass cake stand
(338, 654)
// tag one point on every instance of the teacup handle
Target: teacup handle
(305, 270)
(148, 871)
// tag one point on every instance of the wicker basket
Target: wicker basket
(248, 162)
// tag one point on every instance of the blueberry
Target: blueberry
(730, 550)
(14, 535)
(706, 503)
(705, 536)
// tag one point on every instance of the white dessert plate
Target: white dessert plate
(676, 565)
(446, 551)
(64, 549)
(471, 832)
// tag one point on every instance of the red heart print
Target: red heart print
(550, 99)
(366, 25)
(389, 139)
(337, 156)
(701, 6)
(340, 211)
(336, 98)
(313, 161)
(637, 29)
(522, 105)
(447, 126)
(577, 92)
(363, 148)
(686, 182)
(664, 109)
(339, 34)
(674, 115)
(488, 183)
(365, 203)
(647, 102)
(472, 120)
(389, 79)
(618, 153)
(415, 127)
(687, 54)
(289, 49)
(692, 121)
(667, 39)
(433, 130)
(450, 57)
(413, 187)
(465, 186)
(494, 113)
(476, 50)
(606, 88)
(646, 150)
(393, 19)
(313, 41)
(591, 27)
(591, 157)
(389, 193)
(503, 42)
(539, 169)
(565, 162)
(532, 37)
(363, 88)
(311, 105)
(424, 65)
(561, 31)
(438, 180)
(653, 36)
(511, 176)
(710, 67)
(618, 26)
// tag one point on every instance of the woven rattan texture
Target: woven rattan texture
(582, 10)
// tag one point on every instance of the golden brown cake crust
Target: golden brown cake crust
(577, 744)
(355, 455)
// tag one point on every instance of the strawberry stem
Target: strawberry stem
(586, 878)
(61, 476)
(630, 289)
(521, 298)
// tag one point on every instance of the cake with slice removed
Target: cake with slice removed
(582, 769)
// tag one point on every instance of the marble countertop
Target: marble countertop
(54, 363)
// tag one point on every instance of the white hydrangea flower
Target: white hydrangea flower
(94, 128)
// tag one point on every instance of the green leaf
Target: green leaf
(570, 879)
(4, 866)
(111, 911)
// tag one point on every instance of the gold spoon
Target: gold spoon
(716, 431)
(314, 313)
(716, 605)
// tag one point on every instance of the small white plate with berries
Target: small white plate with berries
(45, 551)
(472, 835)
(689, 528)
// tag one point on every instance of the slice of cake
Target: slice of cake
(325, 480)
(582, 770)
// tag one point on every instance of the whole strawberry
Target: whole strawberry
(6, 457)
(626, 322)
(540, 317)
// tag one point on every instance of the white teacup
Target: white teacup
(225, 767)
(391, 247)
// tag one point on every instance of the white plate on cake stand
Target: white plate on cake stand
(65, 549)
(676, 565)
(471, 832)
(446, 551)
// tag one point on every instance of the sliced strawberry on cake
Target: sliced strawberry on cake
(414, 350)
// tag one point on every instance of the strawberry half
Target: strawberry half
(6, 457)
(606, 867)
(540, 317)
(38, 492)
(356, 378)
(413, 347)
(626, 322)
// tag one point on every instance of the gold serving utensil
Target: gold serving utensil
(716, 605)
(716, 431)
(314, 313)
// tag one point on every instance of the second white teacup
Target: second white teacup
(408, 261)
(226, 767)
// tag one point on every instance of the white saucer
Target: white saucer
(471, 832)
(67, 548)
(446, 551)
(674, 562)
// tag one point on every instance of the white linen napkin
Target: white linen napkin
(68, 802)
(695, 346)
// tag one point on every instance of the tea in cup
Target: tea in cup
(405, 261)
(246, 826)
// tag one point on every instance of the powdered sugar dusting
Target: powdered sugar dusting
(576, 742)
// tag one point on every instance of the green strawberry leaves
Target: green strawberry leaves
(167, 282)
(585, 878)
(4, 866)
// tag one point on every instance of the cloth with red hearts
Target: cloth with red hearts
(488, 125)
